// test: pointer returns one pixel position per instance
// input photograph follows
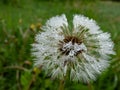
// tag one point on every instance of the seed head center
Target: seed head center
(71, 46)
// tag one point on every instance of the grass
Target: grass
(18, 26)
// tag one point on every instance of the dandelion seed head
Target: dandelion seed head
(81, 53)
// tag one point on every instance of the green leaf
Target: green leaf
(26, 80)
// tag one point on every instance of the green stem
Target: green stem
(61, 86)
(90, 86)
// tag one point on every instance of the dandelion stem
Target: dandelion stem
(61, 87)
(18, 80)
(90, 86)
(16, 67)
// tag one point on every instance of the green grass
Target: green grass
(16, 37)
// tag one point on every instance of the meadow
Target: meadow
(20, 21)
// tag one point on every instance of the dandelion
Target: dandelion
(80, 53)
(32, 27)
(38, 25)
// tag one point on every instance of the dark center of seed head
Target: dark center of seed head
(73, 39)
(67, 39)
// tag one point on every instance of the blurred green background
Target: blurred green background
(20, 20)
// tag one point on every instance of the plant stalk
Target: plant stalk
(61, 86)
